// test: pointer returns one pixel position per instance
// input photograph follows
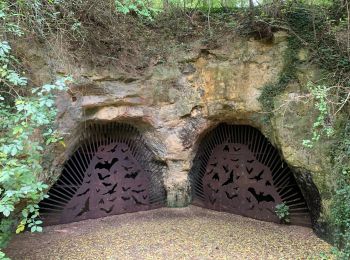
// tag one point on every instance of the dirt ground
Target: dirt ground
(185, 233)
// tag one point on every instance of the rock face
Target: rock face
(175, 103)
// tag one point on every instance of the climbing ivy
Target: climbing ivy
(287, 75)
(340, 203)
(322, 125)
(315, 29)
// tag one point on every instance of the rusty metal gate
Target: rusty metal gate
(237, 170)
(111, 172)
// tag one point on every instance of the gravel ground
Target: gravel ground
(186, 233)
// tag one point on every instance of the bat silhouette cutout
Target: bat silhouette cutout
(258, 177)
(212, 200)
(114, 149)
(86, 207)
(138, 191)
(126, 189)
(106, 165)
(127, 168)
(216, 177)
(137, 201)
(101, 201)
(268, 183)
(214, 164)
(85, 192)
(125, 198)
(226, 149)
(132, 175)
(107, 210)
(101, 177)
(111, 200)
(236, 149)
(250, 161)
(230, 196)
(225, 168)
(107, 184)
(111, 191)
(229, 180)
(249, 170)
(210, 187)
(208, 173)
(261, 197)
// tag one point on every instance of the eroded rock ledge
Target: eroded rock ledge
(176, 102)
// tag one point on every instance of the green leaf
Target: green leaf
(25, 213)
(6, 212)
(39, 229)
(20, 228)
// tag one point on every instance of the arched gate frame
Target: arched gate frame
(111, 172)
(237, 170)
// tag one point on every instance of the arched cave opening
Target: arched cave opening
(237, 170)
(111, 172)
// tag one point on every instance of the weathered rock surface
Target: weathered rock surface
(176, 102)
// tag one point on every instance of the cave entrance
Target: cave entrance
(237, 170)
(111, 172)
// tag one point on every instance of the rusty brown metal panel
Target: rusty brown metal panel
(237, 170)
(114, 183)
(235, 181)
(111, 172)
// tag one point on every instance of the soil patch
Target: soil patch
(168, 233)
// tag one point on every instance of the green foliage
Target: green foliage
(3, 256)
(26, 126)
(26, 129)
(282, 211)
(322, 125)
(340, 204)
(27, 115)
(139, 7)
(321, 29)
(287, 75)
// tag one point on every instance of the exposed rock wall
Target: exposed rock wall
(176, 102)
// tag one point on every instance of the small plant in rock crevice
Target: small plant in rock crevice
(282, 211)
